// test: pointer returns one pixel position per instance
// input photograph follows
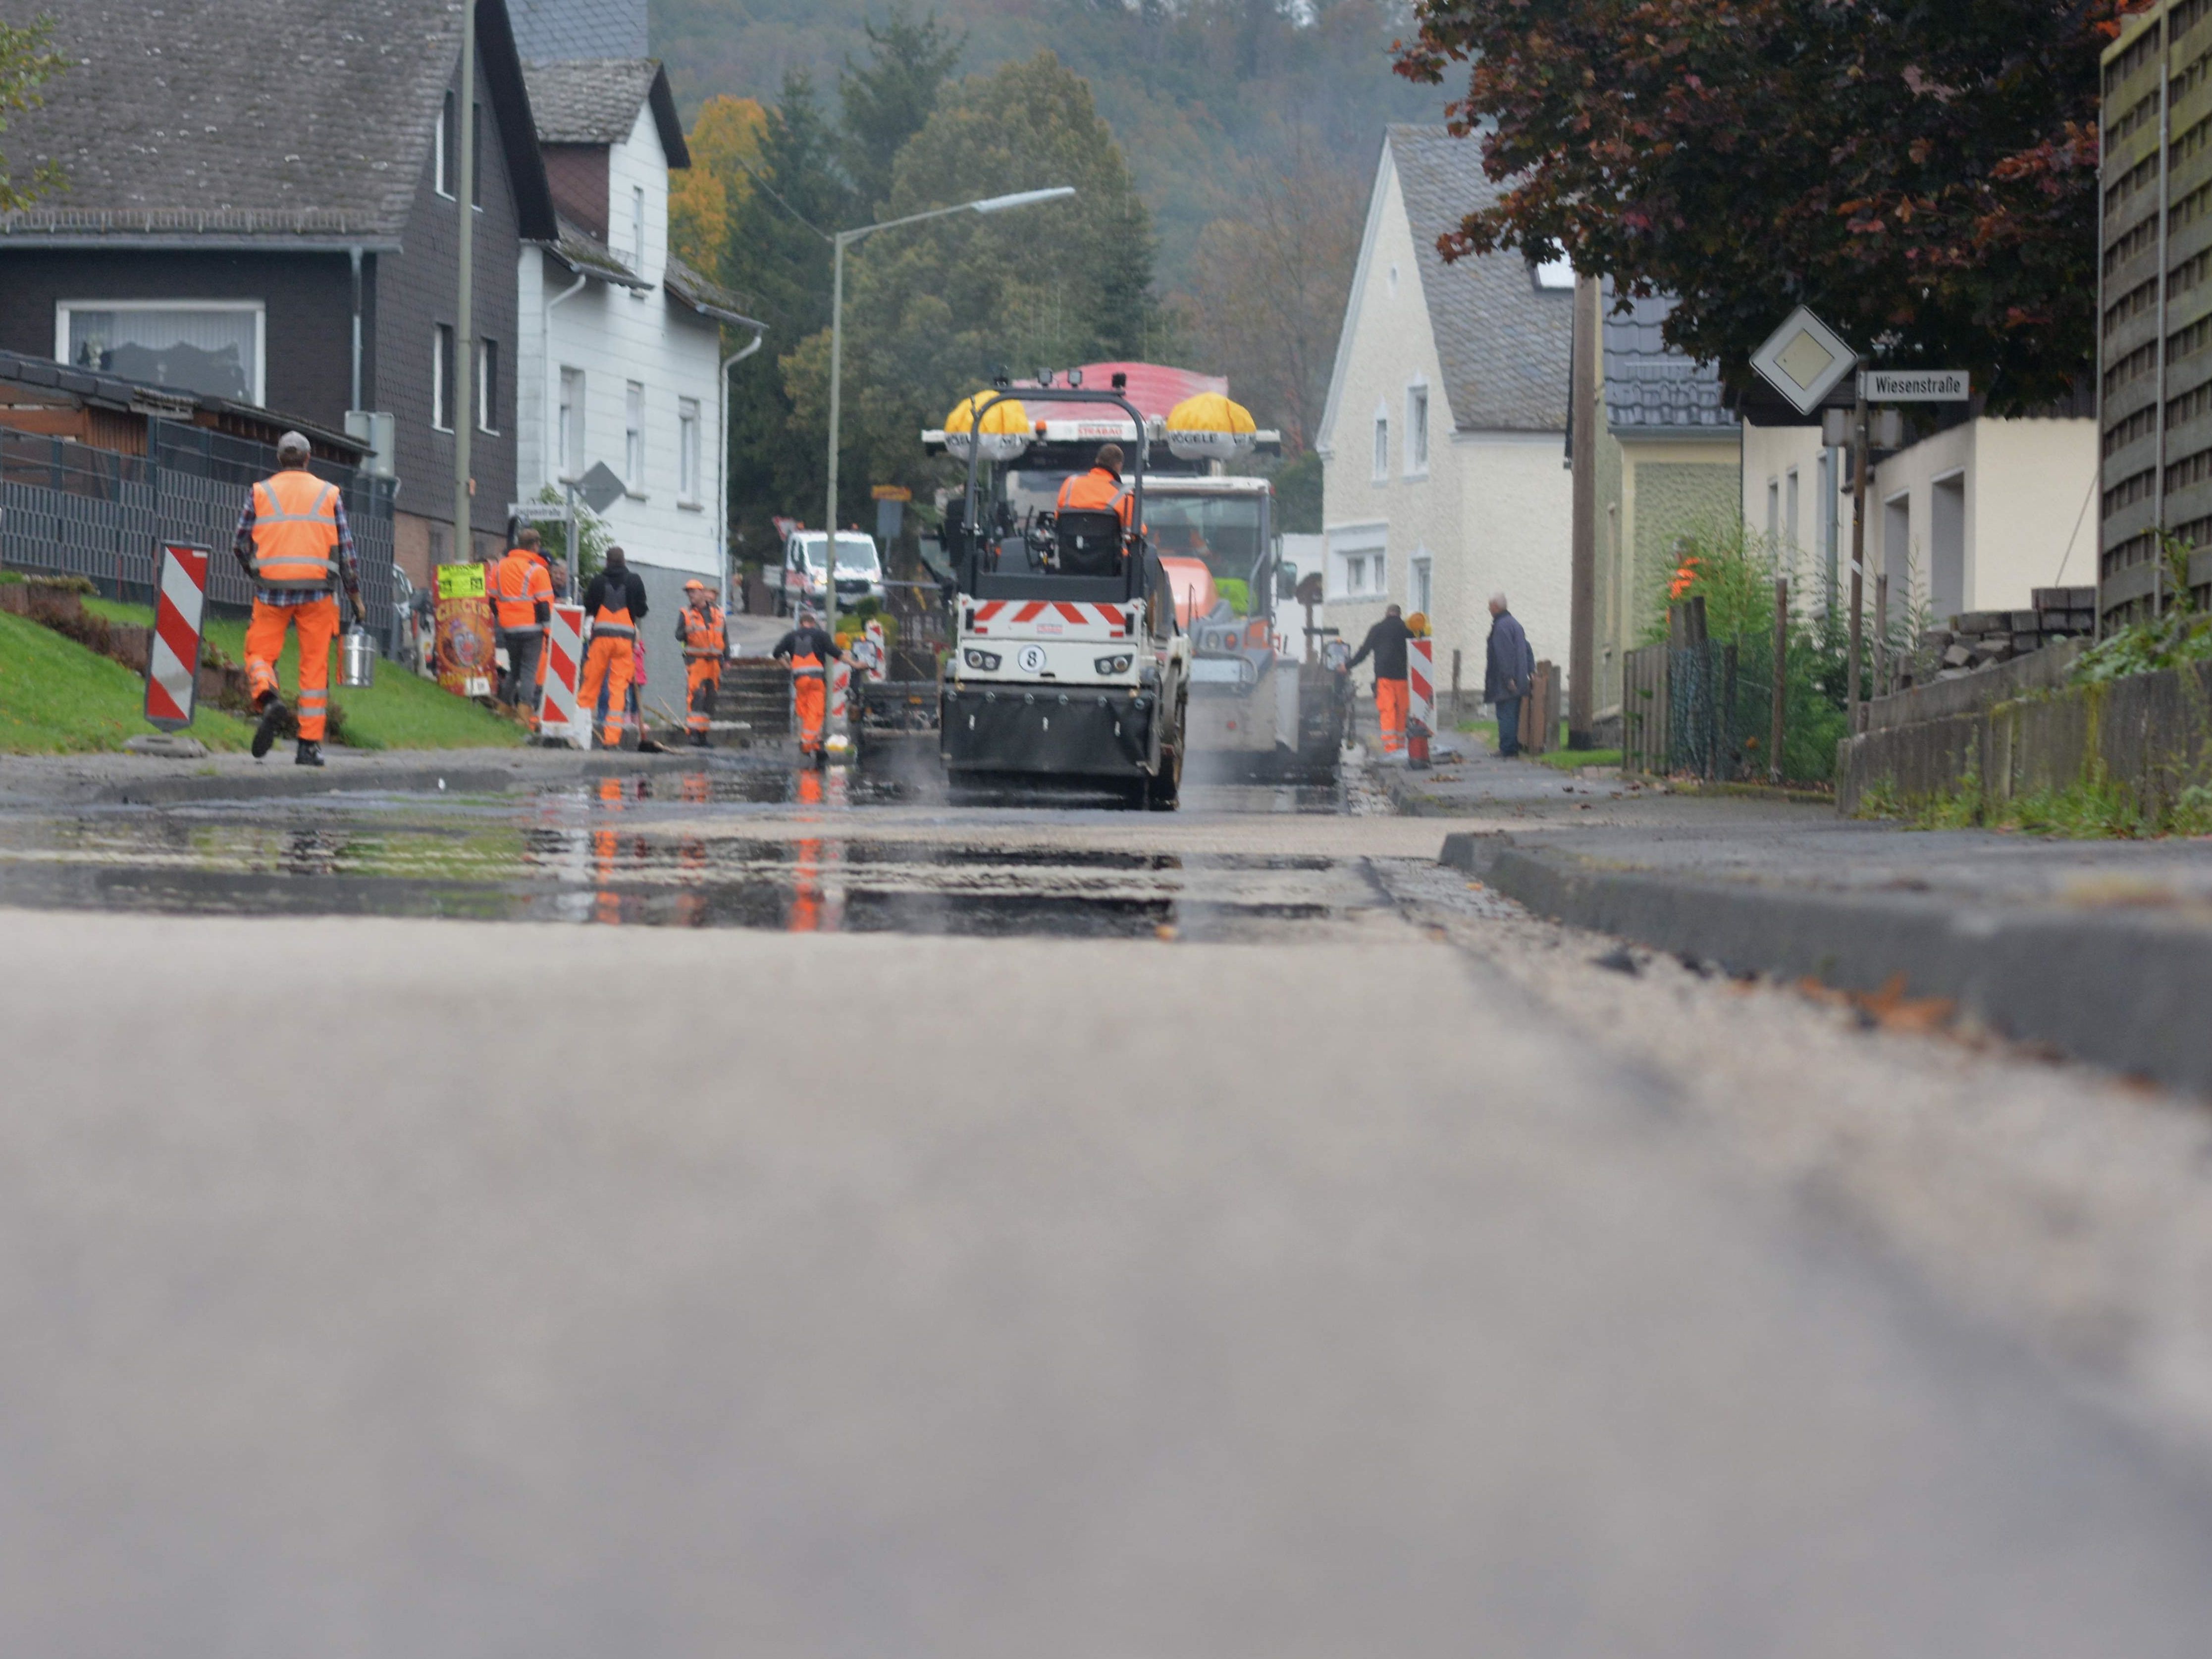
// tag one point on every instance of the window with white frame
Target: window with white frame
(1789, 506)
(213, 347)
(1419, 593)
(446, 150)
(1382, 445)
(687, 451)
(488, 386)
(441, 376)
(1358, 571)
(1556, 274)
(637, 235)
(572, 423)
(633, 438)
(1417, 430)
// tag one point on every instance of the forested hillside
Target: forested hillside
(1196, 92)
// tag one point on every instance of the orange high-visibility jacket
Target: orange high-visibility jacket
(520, 583)
(295, 531)
(703, 634)
(1097, 491)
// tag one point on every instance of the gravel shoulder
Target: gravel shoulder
(2071, 1207)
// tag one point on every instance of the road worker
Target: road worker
(294, 544)
(808, 652)
(522, 604)
(700, 631)
(1100, 490)
(1387, 641)
(614, 602)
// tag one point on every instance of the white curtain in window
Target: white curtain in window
(209, 352)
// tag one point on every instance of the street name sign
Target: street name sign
(1803, 360)
(1915, 386)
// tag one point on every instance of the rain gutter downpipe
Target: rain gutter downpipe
(549, 443)
(722, 461)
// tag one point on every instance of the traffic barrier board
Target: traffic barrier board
(559, 716)
(174, 657)
(1421, 685)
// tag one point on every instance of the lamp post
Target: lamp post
(988, 205)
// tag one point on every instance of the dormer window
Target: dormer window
(1556, 275)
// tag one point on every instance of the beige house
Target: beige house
(1669, 460)
(1442, 442)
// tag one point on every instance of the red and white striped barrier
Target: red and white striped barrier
(172, 664)
(558, 716)
(835, 729)
(1421, 685)
(1051, 619)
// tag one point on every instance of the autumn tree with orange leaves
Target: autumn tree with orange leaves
(1921, 173)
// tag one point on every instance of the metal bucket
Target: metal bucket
(357, 660)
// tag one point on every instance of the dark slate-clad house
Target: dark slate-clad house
(550, 30)
(260, 203)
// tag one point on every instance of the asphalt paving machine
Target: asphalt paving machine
(1068, 662)
(1261, 698)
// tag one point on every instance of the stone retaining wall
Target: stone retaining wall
(2151, 733)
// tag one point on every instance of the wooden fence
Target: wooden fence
(1644, 717)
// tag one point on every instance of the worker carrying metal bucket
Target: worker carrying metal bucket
(296, 546)
(807, 652)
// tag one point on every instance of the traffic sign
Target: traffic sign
(601, 488)
(1914, 385)
(1803, 360)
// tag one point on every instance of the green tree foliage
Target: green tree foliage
(933, 310)
(778, 256)
(1194, 90)
(1923, 176)
(26, 64)
(889, 98)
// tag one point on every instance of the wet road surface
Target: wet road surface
(958, 1228)
(743, 846)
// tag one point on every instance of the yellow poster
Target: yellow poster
(465, 639)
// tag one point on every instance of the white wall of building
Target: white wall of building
(616, 337)
(1989, 511)
(1488, 511)
(1978, 515)
(1821, 524)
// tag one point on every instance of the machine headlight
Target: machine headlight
(1112, 665)
(985, 660)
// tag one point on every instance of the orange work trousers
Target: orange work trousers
(608, 662)
(810, 703)
(318, 622)
(1390, 709)
(702, 676)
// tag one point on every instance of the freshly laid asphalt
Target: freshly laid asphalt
(430, 1288)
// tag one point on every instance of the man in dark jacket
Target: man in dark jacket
(807, 652)
(1508, 674)
(614, 603)
(1387, 640)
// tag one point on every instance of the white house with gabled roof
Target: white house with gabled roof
(1443, 440)
(620, 343)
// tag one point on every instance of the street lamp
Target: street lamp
(988, 205)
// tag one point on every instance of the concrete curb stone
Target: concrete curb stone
(2126, 991)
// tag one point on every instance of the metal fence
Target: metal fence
(70, 509)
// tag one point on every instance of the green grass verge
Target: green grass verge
(58, 698)
(2081, 811)
(1562, 758)
(400, 711)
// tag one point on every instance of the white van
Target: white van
(859, 571)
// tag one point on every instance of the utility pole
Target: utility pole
(830, 516)
(1583, 416)
(464, 341)
(1858, 560)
